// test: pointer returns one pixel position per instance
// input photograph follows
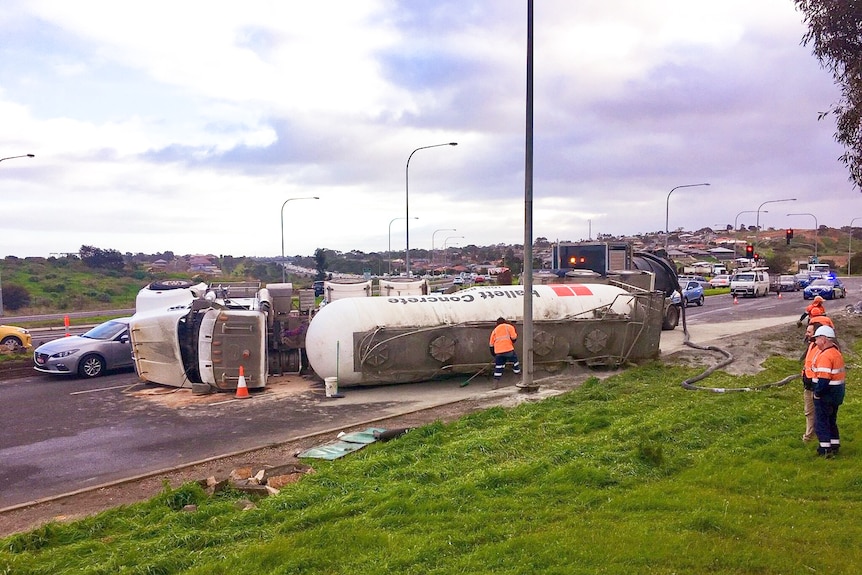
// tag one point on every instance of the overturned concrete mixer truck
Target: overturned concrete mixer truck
(201, 335)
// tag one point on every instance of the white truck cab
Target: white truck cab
(753, 282)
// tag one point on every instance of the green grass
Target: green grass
(628, 475)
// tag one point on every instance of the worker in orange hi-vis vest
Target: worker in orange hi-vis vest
(814, 309)
(807, 384)
(829, 389)
(502, 345)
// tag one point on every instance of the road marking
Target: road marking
(100, 389)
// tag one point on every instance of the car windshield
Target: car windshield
(107, 330)
(826, 283)
(744, 277)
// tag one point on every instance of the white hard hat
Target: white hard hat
(825, 331)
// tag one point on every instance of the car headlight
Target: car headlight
(66, 353)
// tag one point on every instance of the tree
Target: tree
(320, 263)
(99, 258)
(15, 297)
(833, 32)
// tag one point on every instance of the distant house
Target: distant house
(721, 253)
(203, 264)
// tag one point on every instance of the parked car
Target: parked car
(13, 337)
(685, 278)
(826, 288)
(722, 280)
(692, 292)
(318, 288)
(786, 282)
(103, 348)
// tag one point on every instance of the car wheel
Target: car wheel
(91, 366)
(699, 301)
(11, 343)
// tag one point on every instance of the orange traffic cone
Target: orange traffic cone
(735, 300)
(241, 387)
(779, 295)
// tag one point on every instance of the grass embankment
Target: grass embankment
(628, 475)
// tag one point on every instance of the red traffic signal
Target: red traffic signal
(749, 251)
(789, 235)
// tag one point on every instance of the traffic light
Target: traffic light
(789, 235)
(756, 258)
(749, 251)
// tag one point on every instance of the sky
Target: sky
(205, 127)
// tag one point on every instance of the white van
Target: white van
(752, 282)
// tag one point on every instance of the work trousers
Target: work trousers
(808, 399)
(826, 405)
(500, 361)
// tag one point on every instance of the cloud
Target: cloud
(184, 127)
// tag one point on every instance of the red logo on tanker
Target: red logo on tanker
(571, 289)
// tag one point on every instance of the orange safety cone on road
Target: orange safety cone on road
(66, 324)
(735, 300)
(779, 295)
(241, 387)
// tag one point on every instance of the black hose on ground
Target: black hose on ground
(689, 383)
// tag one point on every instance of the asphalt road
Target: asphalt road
(59, 435)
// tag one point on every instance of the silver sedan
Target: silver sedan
(105, 347)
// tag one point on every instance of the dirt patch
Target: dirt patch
(277, 387)
(749, 350)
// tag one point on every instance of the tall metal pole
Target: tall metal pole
(1, 279)
(816, 230)
(389, 251)
(432, 240)
(283, 277)
(667, 209)
(407, 200)
(736, 227)
(527, 272)
(849, 249)
(757, 221)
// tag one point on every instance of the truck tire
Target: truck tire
(671, 318)
(165, 285)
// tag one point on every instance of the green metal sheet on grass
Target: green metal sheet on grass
(347, 443)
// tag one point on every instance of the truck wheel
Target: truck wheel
(671, 318)
(165, 285)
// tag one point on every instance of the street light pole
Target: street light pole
(445, 256)
(849, 248)
(667, 209)
(21, 156)
(407, 200)
(736, 227)
(816, 228)
(757, 221)
(432, 239)
(389, 251)
(1, 280)
(283, 278)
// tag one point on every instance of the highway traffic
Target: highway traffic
(61, 434)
